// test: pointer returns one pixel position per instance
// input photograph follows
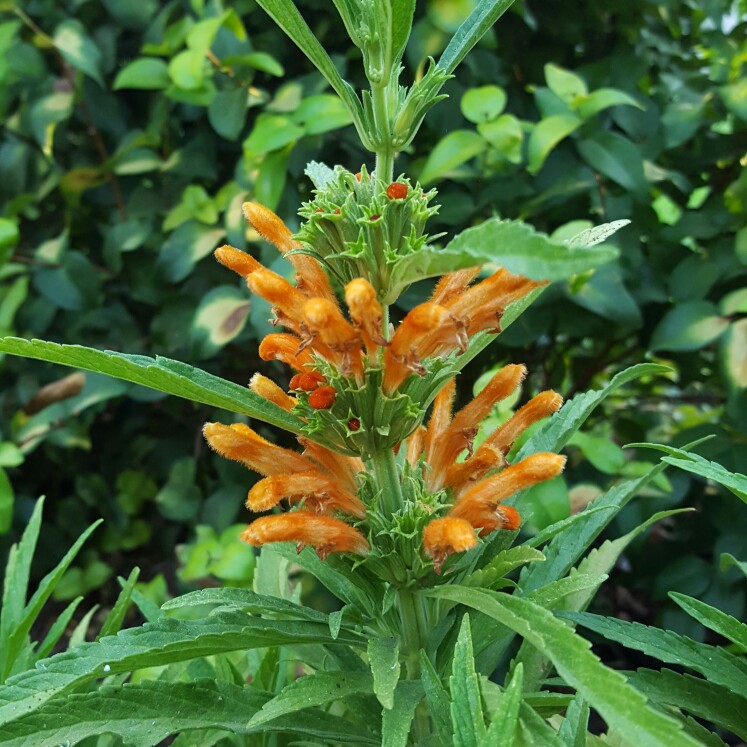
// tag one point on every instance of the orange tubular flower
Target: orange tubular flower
(268, 389)
(415, 445)
(482, 305)
(240, 262)
(488, 493)
(287, 300)
(319, 492)
(462, 429)
(343, 468)
(427, 329)
(444, 537)
(285, 348)
(366, 313)
(324, 533)
(324, 321)
(440, 417)
(453, 284)
(487, 519)
(241, 444)
(310, 277)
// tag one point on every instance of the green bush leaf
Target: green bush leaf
(620, 705)
(78, 49)
(563, 83)
(483, 104)
(270, 132)
(601, 99)
(451, 151)
(227, 112)
(144, 73)
(689, 326)
(546, 135)
(617, 158)
(162, 374)
(218, 319)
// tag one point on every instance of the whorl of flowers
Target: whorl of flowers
(350, 372)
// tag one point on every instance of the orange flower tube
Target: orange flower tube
(444, 537)
(268, 389)
(286, 348)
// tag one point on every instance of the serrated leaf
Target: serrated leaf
(620, 705)
(162, 374)
(396, 722)
(147, 713)
(383, 657)
(573, 730)
(502, 564)
(734, 481)
(696, 696)
(437, 699)
(467, 718)
(247, 601)
(718, 621)
(714, 663)
(597, 234)
(154, 644)
(319, 173)
(313, 690)
(505, 718)
(474, 27)
(114, 619)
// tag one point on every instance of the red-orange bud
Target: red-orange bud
(396, 191)
(323, 397)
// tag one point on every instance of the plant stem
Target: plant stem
(414, 620)
(383, 139)
(387, 478)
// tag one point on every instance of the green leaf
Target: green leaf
(270, 132)
(502, 564)
(694, 695)
(714, 663)
(57, 630)
(247, 601)
(456, 148)
(620, 705)
(115, 618)
(218, 319)
(466, 701)
(564, 84)
(603, 98)
(383, 657)
(505, 718)
(476, 25)
(733, 352)
(145, 73)
(187, 69)
(7, 499)
(78, 49)
(546, 135)
(506, 135)
(286, 15)
(147, 713)
(9, 237)
(696, 464)
(313, 690)
(437, 699)
(723, 624)
(597, 234)
(735, 98)
(162, 374)
(483, 104)
(323, 113)
(396, 722)
(729, 561)
(227, 112)
(619, 159)
(689, 326)
(154, 644)
(185, 247)
(603, 453)
(573, 730)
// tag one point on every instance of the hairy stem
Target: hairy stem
(387, 478)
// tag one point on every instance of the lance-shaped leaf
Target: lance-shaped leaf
(622, 707)
(396, 722)
(505, 718)
(162, 374)
(713, 618)
(383, 656)
(475, 26)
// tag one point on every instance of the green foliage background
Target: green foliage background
(132, 133)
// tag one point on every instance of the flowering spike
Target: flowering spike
(444, 537)
(488, 493)
(271, 391)
(285, 348)
(324, 533)
(240, 262)
(452, 284)
(241, 444)
(366, 312)
(316, 490)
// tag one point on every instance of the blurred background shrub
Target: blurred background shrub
(132, 132)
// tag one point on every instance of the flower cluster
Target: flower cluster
(350, 374)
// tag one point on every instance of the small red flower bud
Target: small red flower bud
(308, 382)
(322, 398)
(396, 191)
(358, 176)
(354, 424)
(293, 384)
(375, 217)
(320, 210)
(337, 211)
